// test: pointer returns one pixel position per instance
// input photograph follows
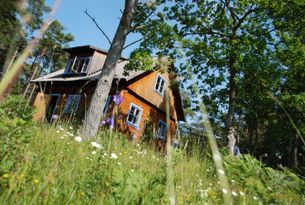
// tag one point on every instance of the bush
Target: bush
(14, 106)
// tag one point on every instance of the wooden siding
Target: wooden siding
(145, 87)
(97, 62)
(149, 113)
(41, 103)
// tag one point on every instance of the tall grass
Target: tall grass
(52, 167)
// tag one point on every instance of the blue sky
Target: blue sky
(106, 12)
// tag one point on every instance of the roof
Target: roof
(88, 47)
(60, 76)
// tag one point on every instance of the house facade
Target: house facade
(134, 100)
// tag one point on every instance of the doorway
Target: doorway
(52, 107)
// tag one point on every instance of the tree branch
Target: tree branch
(133, 43)
(93, 19)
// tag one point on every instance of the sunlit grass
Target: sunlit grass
(57, 168)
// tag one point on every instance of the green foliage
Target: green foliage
(269, 186)
(14, 106)
(231, 55)
(45, 164)
(140, 59)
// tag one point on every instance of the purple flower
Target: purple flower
(117, 99)
(109, 121)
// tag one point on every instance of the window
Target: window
(134, 115)
(78, 65)
(160, 84)
(161, 130)
(72, 103)
(106, 105)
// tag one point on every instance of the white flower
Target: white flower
(62, 137)
(232, 181)
(132, 170)
(221, 172)
(254, 197)
(71, 128)
(224, 191)
(119, 163)
(114, 156)
(78, 139)
(130, 157)
(95, 144)
(269, 188)
(105, 154)
(241, 193)
(93, 152)
(57, 131)
(234, 193)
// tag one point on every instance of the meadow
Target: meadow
(52, 164)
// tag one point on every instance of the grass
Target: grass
(49, 166)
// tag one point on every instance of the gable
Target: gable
(144, 86)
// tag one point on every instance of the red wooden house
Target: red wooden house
(67, 93)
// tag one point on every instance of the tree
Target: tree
(217, 39)
(49, 55)
(93, 116)
(31, 18)
(9, 25)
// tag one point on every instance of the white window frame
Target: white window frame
(68, 108)
(158, 134)
(157, 89)
(74, 61)
(83, 70)
(137, 123)
(105, 110)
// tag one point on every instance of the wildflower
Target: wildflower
(105, 154)
(241, 193)
(232, 181)
(224, 191)
(57, 131)
(71, 128)
(95, 144)
(117, 99)
(93, 152)
(78, 139)
(82, 193)
(119, 163)
(109, 121)
(36, 181)
(254, 197)
(132, 170)
(234, 193)
(62, 137)
(113, 156)
(130, 157)
(269, 188)
(5, 175)
(221, 172)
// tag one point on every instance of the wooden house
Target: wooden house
(67, 93)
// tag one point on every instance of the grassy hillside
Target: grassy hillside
(49, 164)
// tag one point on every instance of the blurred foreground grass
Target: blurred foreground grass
(50, 164)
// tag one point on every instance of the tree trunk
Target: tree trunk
(98, 101)
(232, 102)
(294, 151)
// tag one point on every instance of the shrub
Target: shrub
(15, 106)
